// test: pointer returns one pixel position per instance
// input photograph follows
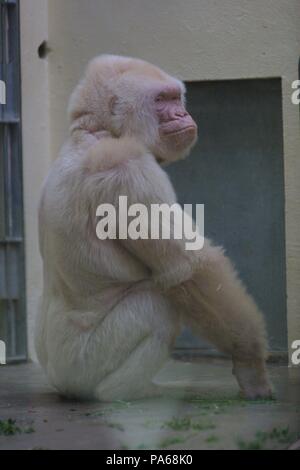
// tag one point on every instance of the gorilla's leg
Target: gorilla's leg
(146, 328)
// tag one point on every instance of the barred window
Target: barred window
(12, 279)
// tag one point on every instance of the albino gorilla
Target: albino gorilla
(111, 309)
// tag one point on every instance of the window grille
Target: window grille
(12, 277)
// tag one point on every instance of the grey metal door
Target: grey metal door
(12, 285)
(236, 170)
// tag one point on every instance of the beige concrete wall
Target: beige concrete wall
(36, 155)
(196, 40)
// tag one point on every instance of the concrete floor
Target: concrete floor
(214, 418)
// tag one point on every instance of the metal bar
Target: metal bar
(7, 240)
(7, 120)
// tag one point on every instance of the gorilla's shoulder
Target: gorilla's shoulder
(110, 153)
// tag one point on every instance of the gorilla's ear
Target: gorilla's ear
(85, 122)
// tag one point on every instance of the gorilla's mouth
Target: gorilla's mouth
(180, 131)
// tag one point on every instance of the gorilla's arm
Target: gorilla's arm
(122, 167)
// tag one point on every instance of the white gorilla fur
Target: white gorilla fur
(111, 310)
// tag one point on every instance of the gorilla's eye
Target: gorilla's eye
(172, 95)
(160, 98)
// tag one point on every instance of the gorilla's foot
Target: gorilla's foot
(253, 380)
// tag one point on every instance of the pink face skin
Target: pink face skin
(175, 123)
